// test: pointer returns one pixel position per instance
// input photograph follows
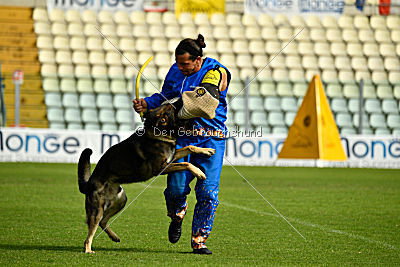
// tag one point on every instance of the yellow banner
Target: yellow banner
(199, 6)
(313, 134)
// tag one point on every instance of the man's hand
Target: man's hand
(139, 105)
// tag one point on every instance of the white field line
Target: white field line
(313, 225)
(266, 200)
(320, 227)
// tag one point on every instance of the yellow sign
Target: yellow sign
(313, 134)
(199, 6)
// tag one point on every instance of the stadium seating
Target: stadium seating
(18, 50)
(77, 63)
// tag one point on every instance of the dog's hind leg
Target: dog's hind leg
(94, 215)
(115, 205)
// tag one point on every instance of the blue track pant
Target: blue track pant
(206, 190)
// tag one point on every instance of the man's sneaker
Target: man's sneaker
(205, 251)
(174, 231)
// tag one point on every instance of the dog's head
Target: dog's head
(162, 118)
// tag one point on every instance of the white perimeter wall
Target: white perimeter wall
(47, 145)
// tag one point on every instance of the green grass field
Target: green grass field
(348, 216)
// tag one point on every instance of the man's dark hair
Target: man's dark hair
(191, 46)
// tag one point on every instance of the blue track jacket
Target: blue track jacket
(176, 83)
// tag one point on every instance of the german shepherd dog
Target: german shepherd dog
(136, 159)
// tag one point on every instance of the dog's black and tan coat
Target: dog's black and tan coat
(136, 159)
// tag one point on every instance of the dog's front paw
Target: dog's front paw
(198, 173)
(208, 151)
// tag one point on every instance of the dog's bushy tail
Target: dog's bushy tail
(84, 170)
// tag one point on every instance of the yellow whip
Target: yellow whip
(138, 80)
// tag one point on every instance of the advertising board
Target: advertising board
(47, 145)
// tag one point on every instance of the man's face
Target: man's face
(186, 65)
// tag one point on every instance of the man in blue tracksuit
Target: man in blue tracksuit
(192, 71)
